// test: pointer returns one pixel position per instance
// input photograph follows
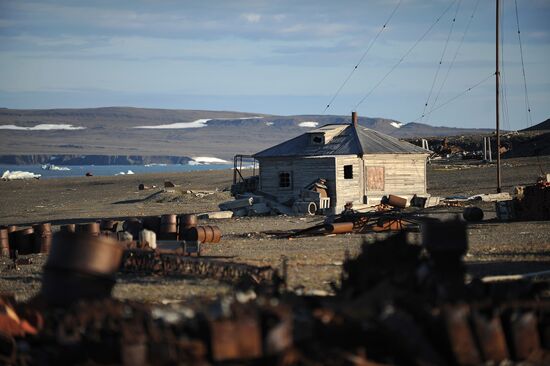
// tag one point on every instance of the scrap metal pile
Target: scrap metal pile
(397, 304)
(148, 262)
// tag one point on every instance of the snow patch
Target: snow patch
(199, 123)
(203, 160)
(396, 124)
(308, 124)
(15, 175)
(42, 127)
(269, 123)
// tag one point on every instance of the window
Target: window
(348, 171)
(284, 179)
(317, 140)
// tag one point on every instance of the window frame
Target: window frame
(348, 168)
(288, 178)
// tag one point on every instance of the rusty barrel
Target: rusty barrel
(80, 267)
(339, 227)
(204, 234)
(168, 227)
(107, 225)
(88, 228)
(10, 228)
(186, 222)
(42, 237)
(67, 228)
(396, 201)
(23, 241)
(132, 226)
(4, 243)
(152, 223)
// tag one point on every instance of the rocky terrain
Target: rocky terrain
(314, 262)
(116, 133)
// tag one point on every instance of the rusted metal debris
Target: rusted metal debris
(149, 262)
(398, 304)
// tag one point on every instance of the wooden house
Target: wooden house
(359, 165)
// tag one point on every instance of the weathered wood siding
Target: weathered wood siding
(404, 174)
(303, 171)
(348, 190)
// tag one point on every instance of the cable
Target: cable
(456, 54)
(456, 96)
(362, 57)
(405, 55)
(442, 56)
(529, 118)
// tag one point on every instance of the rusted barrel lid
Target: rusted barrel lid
(169, 219)
(68, 228)
(11, 228)
(85, 254)
(188, 220)
(44, 227)
(89, 228)
(196, 233)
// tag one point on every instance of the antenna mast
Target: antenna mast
(497, 76)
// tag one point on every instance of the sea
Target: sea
(110, 170)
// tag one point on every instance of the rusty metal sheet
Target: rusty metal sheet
(525, 335)
(460, 335)
(375, 178)
(491, 338)
(237, 339)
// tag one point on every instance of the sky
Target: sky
(282, 57)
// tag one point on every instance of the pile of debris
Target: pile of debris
(530, 202)
(398, 304)
(150, 232)
(313, 199)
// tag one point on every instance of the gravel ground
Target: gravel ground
(314, 262)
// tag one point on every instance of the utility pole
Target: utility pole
(497, 76)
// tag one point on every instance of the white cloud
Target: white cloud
(42, 127)
(251, 17)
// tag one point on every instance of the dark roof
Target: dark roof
(350, 141)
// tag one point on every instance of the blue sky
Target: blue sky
(279, 57)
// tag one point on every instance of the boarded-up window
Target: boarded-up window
(348, 171)
(375, 178)
(284, 179)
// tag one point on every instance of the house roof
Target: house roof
(351, 140)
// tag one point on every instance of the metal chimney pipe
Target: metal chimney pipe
(354, 118)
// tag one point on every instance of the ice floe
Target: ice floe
(42, 127)
(129, 172)
(203, 160)
(54, 167)
(18, 174)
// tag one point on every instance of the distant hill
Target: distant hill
(117, 131)
(543, 126)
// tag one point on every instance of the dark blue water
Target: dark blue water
(109, 170)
